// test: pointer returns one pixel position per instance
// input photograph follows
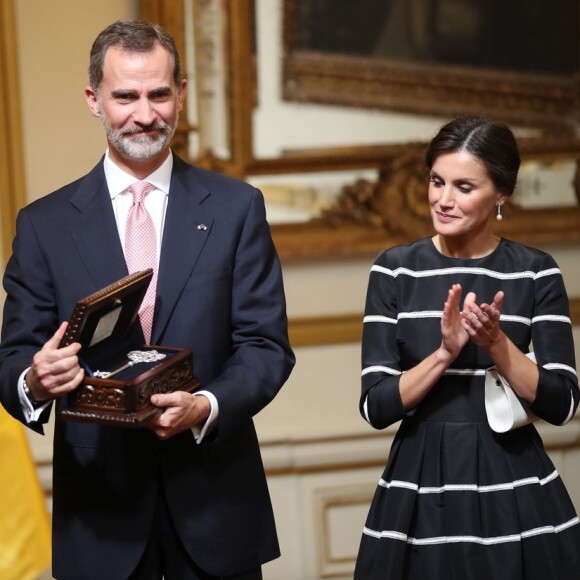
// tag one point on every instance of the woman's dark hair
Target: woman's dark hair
(493, 143)
(131, 36)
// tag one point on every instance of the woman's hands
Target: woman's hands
(459, 324)
(454, 335)
(481, 322)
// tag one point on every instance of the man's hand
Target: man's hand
(180, 411)
(55, 371)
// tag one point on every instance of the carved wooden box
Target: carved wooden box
(120, 377)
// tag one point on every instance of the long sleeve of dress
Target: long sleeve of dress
(557, 395)
(381, 403)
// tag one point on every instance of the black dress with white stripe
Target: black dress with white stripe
(456, 500)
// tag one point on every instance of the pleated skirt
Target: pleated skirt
(460, 502)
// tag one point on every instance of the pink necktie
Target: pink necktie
(141, 249)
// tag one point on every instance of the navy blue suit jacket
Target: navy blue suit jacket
(220, 295)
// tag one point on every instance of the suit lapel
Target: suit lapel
(94, 230)
(188, 223)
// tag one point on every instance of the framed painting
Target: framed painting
(517, 61)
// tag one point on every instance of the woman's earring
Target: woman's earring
(498, 215)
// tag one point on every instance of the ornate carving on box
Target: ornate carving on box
(126, 403)
(101, 323)
(99, 396)
(106, 395)
(170, 380)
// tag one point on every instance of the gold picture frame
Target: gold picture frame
(336, 233)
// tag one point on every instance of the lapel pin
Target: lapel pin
(201, 227)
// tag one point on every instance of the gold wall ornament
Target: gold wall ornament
(396, 202)
(401, 196)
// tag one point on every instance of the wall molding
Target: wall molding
(342, 453)
(358, 451)
(318, 330)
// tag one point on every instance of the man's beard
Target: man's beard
(131, 145)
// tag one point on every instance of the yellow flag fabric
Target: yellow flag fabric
(24, 518)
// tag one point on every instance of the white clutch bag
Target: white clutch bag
(504, 409)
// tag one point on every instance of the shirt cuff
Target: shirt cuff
(32, 409)
(200, 431)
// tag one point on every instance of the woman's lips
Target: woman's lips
(445, 217)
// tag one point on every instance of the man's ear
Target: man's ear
(92, 101)
(181, 94)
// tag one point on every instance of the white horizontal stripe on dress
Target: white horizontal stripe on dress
(439, 313)
(469, 486)
(421, 314)
(461, 372)
(465, 372)
(548, 272)
(549, 366)
(552, 318)
(366, 411)
(381, 369)
(377, 318)
(465, 270)
(512, 318)
(571, 411)
(394, 535)
(396, 372)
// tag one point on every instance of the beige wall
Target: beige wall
(61, 139)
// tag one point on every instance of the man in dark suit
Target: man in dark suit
(185, 498)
